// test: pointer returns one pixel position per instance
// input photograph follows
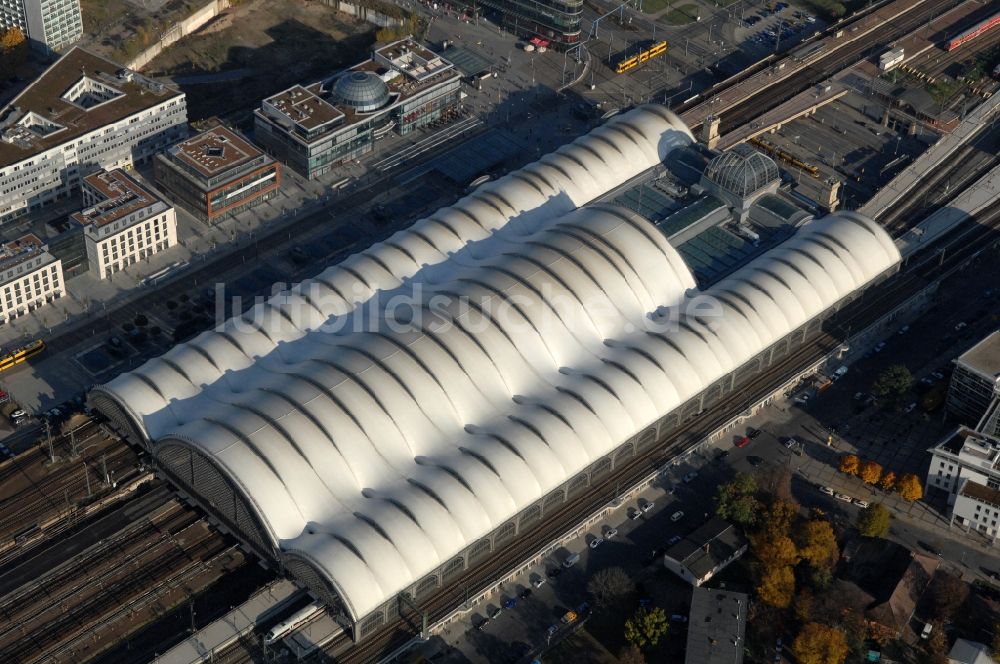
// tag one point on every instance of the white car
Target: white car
(677, 516)
(610, 533)
(844, 497)
(596, 542)
(18, 413)
(690, 476)
(911, 407)
(790, 443)
(827, 490)
(861, 503)
(646, 505)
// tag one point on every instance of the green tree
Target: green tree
(647, 627)
(610, 586)
(820, 644)
(873, 521)
(893, 383)
(737, 500)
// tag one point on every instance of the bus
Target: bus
(21, 354)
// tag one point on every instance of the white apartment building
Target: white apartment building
(965, 454)
(84, 114)
(49, 25)
(123, 223)
(29, 277)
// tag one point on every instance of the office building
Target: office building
(123, 223)
(964, 454)
(29, 277)
(554, 21)
(313, 128)
(49, 25)
(217, 173)
(975, 383)
(84, 114)
(716, 629)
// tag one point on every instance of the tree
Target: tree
(909, 487)
(936, 645)
(888, 481)
(778, 518)
(647, 627)
(995, 645)
(873, 521)
(777, 587)
(802, 606)
(871, 472)
(631, 655)
(850, 464)
(737, 500)
(610, 586)
(774, 551)
(777, 482)
(819, 644)
(893, 383)
(13, 50)
(818, 544)
(950, 592)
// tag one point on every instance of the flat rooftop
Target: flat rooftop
(972, 447)
(22, 249)
(78, 94)
(215, 151)
(121, 197)
(984, 357)
(716, 627)
(305, 107)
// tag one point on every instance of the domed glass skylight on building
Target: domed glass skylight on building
(742, 170)
(361, 90)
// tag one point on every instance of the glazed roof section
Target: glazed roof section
(121, 197)
(46, 98)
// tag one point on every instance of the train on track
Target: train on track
(653, 51)
(975, 31)
(786, 157)
(21, 354)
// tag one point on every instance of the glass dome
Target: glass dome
(361, 90)
(742, 170)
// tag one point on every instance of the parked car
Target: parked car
(610, 533)
(844, 497)
(540, 581)
(677, 516)
(690, 476)
(827, 490)
(678, 618)
(961, 326)
(482, 624)
(879, 347)
(904, 329)
(553, 573)
(510, 603)
(937, 375)
(722, 456)
(753, 433)
(755, 460)
(790, 443)
(861, 503)
(526, 593)
(646, 505)
(18, 413)
(912, 406)
(633, 513)
(859, 396)
(743, 442)
(596, 542)
(674, 540)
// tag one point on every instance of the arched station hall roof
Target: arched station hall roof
(376, 450)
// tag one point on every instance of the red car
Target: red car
(743, 442)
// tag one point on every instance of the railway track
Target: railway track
(70, 606)
(864, 47)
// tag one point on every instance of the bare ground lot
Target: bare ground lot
(265, 46)
(121, 29)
